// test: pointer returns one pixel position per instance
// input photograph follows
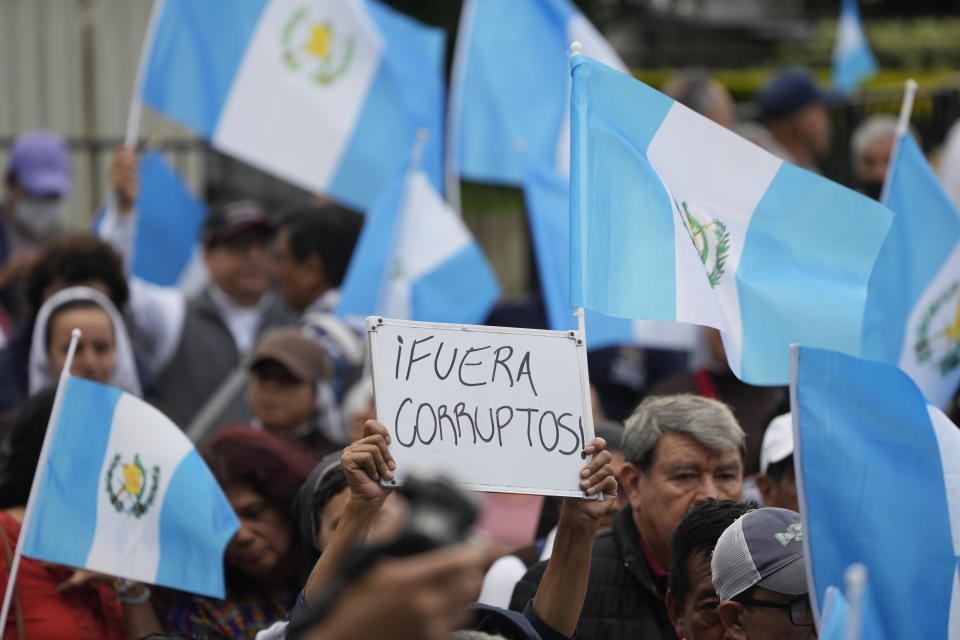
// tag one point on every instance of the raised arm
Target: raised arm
(559, 598)
(364, 463)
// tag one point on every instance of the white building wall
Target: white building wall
(68, 66)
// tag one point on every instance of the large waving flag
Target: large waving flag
(511, 86)
(547, 195)
(913, 314)
(126, 494)
(327, 95)
(878, 472)
(853, 62)
(417, 260)
(676, 218)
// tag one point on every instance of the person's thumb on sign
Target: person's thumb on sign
(596, 478)
(366, 462)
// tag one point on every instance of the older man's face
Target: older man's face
(684, 473)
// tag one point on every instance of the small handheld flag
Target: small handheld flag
(913, 312)
(853, 62)
(416, 260)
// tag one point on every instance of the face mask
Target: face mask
(37, 218)
(872, 189)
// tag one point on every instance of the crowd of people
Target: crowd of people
(259, 370)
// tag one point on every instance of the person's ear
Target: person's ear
(731, 616)
(676, 616)
(631, 478)
(767, 489)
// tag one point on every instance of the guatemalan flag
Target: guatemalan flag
(913, 313)
(547, 196)
(125, 493)
(853, 62)
(511, 86)
(416, 260)
(878, 476)
(328, 95)
(676, 218)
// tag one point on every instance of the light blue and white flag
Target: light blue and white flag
(878, 476)
(416, 260)
(327, 95)
(547, 195)
(676, 218)
(125, 493)
(510, 90)
(853, 62)
(913, 313)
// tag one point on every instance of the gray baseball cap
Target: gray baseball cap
(763, 547)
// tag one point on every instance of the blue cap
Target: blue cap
(40, 163)
(789, 91)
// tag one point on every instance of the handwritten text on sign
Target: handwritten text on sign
(498, 409)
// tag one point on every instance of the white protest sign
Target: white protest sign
(494, 408)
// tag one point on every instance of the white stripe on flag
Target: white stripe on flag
(301, 88)
(932, 315)
(720, 186)
(429, 234)
(122, 543)
(948, 440)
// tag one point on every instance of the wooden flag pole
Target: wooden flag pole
(38, 475)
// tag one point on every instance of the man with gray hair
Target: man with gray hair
(871, 146)
(680, 451)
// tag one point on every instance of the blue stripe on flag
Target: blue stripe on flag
(873, 490)
(410, 73)
(462, 289)
(168, 223)
(514, 85)
(630, 211)
(791, 270)
(548, 210)
(926, 228)
(362, 288)
(189, 521)
(75, 458)
(197, 49)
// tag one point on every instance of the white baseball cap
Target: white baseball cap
(777, 441)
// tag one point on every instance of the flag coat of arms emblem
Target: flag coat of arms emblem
(327, 95)
(125, 493)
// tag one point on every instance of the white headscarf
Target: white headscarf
(124, 371)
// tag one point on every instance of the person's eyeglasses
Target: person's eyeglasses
(800, 613)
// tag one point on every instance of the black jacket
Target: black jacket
(622, 600)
